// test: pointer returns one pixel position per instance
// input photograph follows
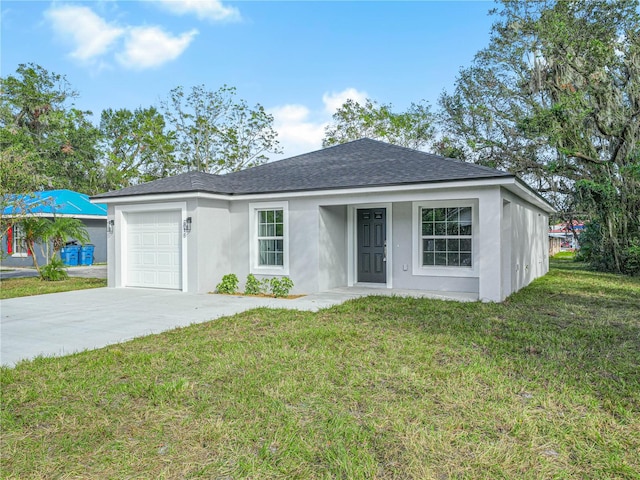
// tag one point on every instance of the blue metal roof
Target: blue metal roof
(54, 202)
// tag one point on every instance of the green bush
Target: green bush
(54, 271)
(229, 284)
(253, 286)
(280, 287)
(632, 260)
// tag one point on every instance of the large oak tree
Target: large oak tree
(555, 98)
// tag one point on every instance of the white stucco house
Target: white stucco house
(364, 213)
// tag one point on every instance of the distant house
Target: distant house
(563, 233)
(50, 204)
(365, 214)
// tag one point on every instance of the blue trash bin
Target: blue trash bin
(69, 255)
(86, 255)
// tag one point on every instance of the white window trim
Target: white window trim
(254, 266)
(416, 233)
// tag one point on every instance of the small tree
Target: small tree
(63, 229)
(34, 230)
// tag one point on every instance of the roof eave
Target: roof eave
(502, 180)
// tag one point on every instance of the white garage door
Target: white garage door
(153, 249)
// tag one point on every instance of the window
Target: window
(446, 236)
(271, 237)
(269, 245)
(17, 243)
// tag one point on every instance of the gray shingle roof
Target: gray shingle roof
(358, 164)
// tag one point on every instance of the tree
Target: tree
(136, 146)
(34, 230)
(555, 98)
(216, 133)
(38, 122)
(352, 121)
(61, 230)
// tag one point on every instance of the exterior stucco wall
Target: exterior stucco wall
(97, 230)
(332, 241)
(527, 237)
(209, 244)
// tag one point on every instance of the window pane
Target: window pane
(279, 230)
(465, 259)
(441, 245)
(427, 229)
(427, 215)
(279, 216)
(440, 259)
(427, 258)
(452, 228)
(452, 214)
(428, 245)
(465, 221)
(453, 245)
(465, 245)
(465, 229)
(453, 259)
(440, 214)
(440, 228)
(262, 216)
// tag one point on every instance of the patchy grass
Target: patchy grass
(24, 287)
(545, 385)
(564, 256)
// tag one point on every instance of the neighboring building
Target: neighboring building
(50, 204)
(564, 234)
(364, 213)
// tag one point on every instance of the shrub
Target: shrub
(632, 260)
(54, 271)
(253, 286)
(280, 287)
(229, 284)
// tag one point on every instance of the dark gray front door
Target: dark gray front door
(372, 236)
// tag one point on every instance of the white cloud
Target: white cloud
(90, 35)
(301, 130)
(148, 47)
(334, 100)
(203, 9)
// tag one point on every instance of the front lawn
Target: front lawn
(546, 385)
(24, 287)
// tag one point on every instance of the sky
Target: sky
(300, 60)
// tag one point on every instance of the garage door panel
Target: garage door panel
(149, 239)
(154, 249)
(166, 239)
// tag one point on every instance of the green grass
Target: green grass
(24, 287)
(546, 385)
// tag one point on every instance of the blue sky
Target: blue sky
(300, 60)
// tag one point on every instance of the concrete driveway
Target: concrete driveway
(64, 323)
